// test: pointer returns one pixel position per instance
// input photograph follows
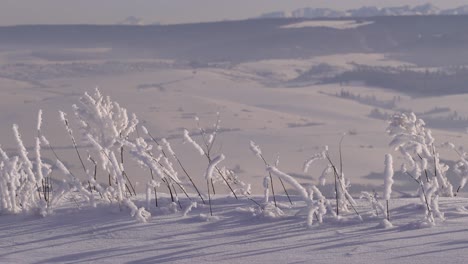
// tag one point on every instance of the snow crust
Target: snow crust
(336, 24)
(108, 235)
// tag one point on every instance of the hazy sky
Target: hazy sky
(13, 12)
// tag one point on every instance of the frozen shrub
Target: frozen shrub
(376, 205)
(25, 184)
(421, 161)
(313, 207)
(416, 144)
(344, 201)
(107, 126)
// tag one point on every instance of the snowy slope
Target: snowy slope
(105, 235)
(255, 103)
(261, 100)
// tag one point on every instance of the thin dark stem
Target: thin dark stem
(128, 191)
(171, 178)
(273, 190)
(74, 144)
(281, 181)
(43, 190)
(177, 197)
(227, 183)
(190, 178)
(341, 156)
(336, 185)
(95, 172)
(156, 196)
(209, 196)
(209, 146)
(271, 180)
(57, 157)
(180, 164)
(131, 185)
(424, 192)
(170, 190)
(388, 213)
(155, 191)
(285, 190)
(123, 172)
(461, 157)
(339, 179)
(212, 186)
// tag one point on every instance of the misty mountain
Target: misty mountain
(412, 38)
(367, 11)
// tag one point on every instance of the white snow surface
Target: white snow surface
(336, 24)
(234, 235)
(294, 123)
(254, 103)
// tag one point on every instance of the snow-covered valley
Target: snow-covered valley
(88, 187)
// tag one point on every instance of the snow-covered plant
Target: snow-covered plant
(461, 167)
(71, 184)
(168, 153)
(212, 165)
(316, 157)
(209, 175)
(107, 126)
(213, 173)
(258, 153)
(372, 199)
(189, 208)
(140, 214)
(343, 200)
(388, 181)
(10, 183)
(240, 187)
(105, 120)
(171, 154)
(28, 194)
(422, 163)
(314, 208)
(25, 184)
(416, 144)
(160, 166)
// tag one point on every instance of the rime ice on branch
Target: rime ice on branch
(422, 163)
(388, 181)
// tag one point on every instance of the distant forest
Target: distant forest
(410, 81)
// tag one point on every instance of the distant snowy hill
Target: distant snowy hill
(462, 10)
(367, 11)
(411, 38)
(133, 21)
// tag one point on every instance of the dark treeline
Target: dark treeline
(407, 80)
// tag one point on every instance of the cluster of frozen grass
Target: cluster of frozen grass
(26, 184)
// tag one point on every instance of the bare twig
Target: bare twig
(180, 164)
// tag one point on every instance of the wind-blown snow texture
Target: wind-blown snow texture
(105, 235)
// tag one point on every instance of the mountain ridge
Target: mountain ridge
(367, 11)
